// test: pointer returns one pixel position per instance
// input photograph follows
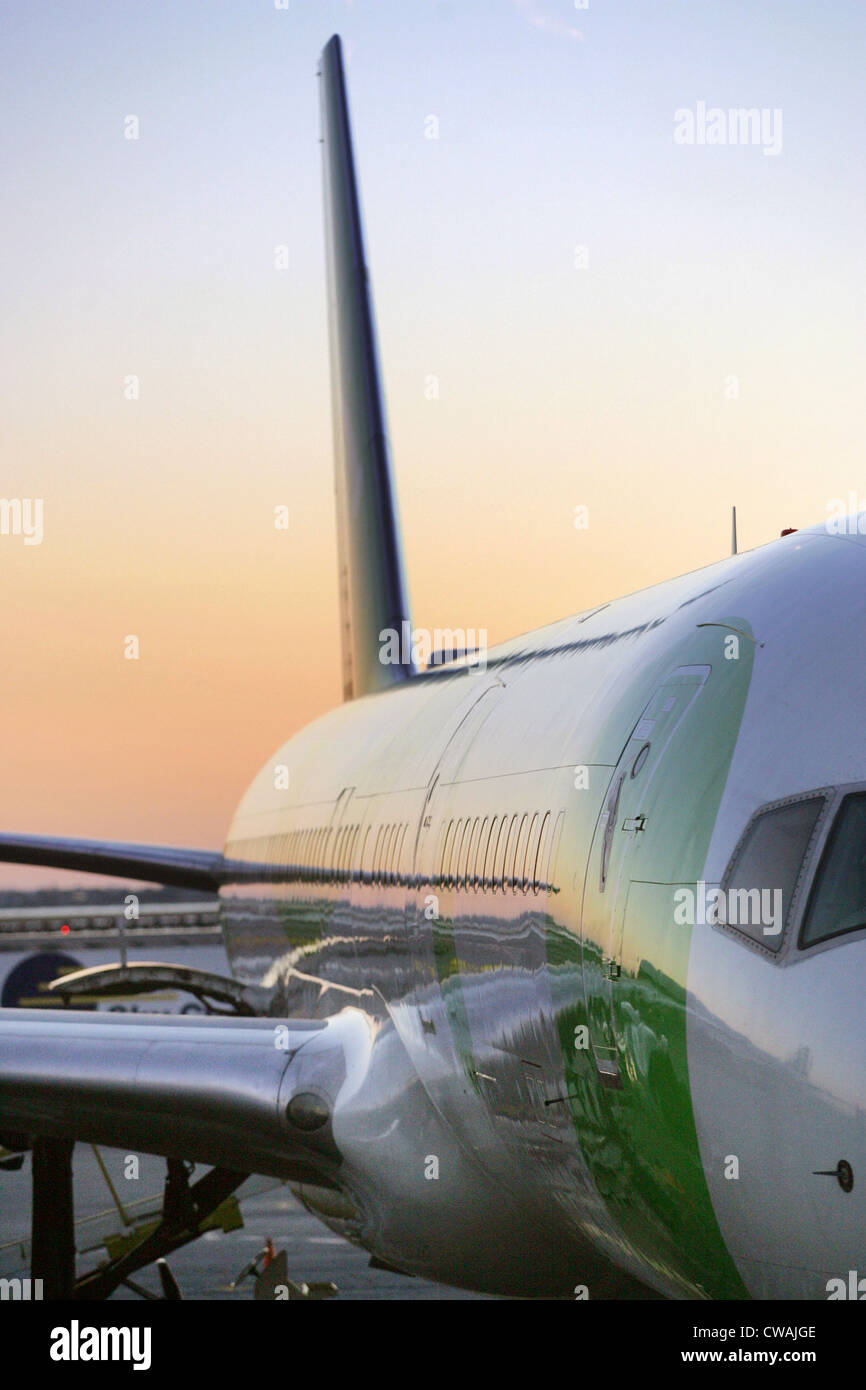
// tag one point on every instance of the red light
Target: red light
(65, 929)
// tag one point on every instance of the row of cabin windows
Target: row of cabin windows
(319, 853)
(496, 853)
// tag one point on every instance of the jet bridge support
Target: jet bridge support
(52, 1253)
(184, 1210)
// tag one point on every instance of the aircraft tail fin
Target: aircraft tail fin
(373, 594)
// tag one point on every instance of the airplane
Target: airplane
(559, 948)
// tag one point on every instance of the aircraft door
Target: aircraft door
(617, 855)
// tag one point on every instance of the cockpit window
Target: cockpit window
(759, 886)
(838, 900)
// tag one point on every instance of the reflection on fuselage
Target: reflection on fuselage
(449, 859)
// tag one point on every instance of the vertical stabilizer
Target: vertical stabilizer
(373, 595)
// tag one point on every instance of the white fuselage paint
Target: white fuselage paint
(777, 1045)
(472, 1072)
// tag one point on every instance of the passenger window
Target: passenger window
(538, 870)
(528, 867)
(377, 853)
(446, 851)
(551, 855)
(759, 885)
(519, 855)
(365, 862)
(472, 851)
(837, 903)
(354, 862)
(508, 864)
(398, 853)
(394, 853)
(399, 866)
(490, 852)
(499, 863)
(462, 855)
(387, 850)
(345, 847)
(455, 854)
(478, 860)
(388, 856)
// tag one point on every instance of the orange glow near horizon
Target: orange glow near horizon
(555, 387)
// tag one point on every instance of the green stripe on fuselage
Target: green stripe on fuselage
(640, 1141)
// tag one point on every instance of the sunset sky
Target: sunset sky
(607, 384)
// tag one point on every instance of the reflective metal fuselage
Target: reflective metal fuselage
(564, 1078)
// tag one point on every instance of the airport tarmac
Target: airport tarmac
(206, 1268)
(315, 1255)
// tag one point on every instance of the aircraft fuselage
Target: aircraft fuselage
(569, 1069)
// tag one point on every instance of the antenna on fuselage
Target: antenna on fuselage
(733, 530)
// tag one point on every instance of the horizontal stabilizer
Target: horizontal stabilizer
(177, 868)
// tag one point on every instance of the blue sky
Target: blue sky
(557, 386)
